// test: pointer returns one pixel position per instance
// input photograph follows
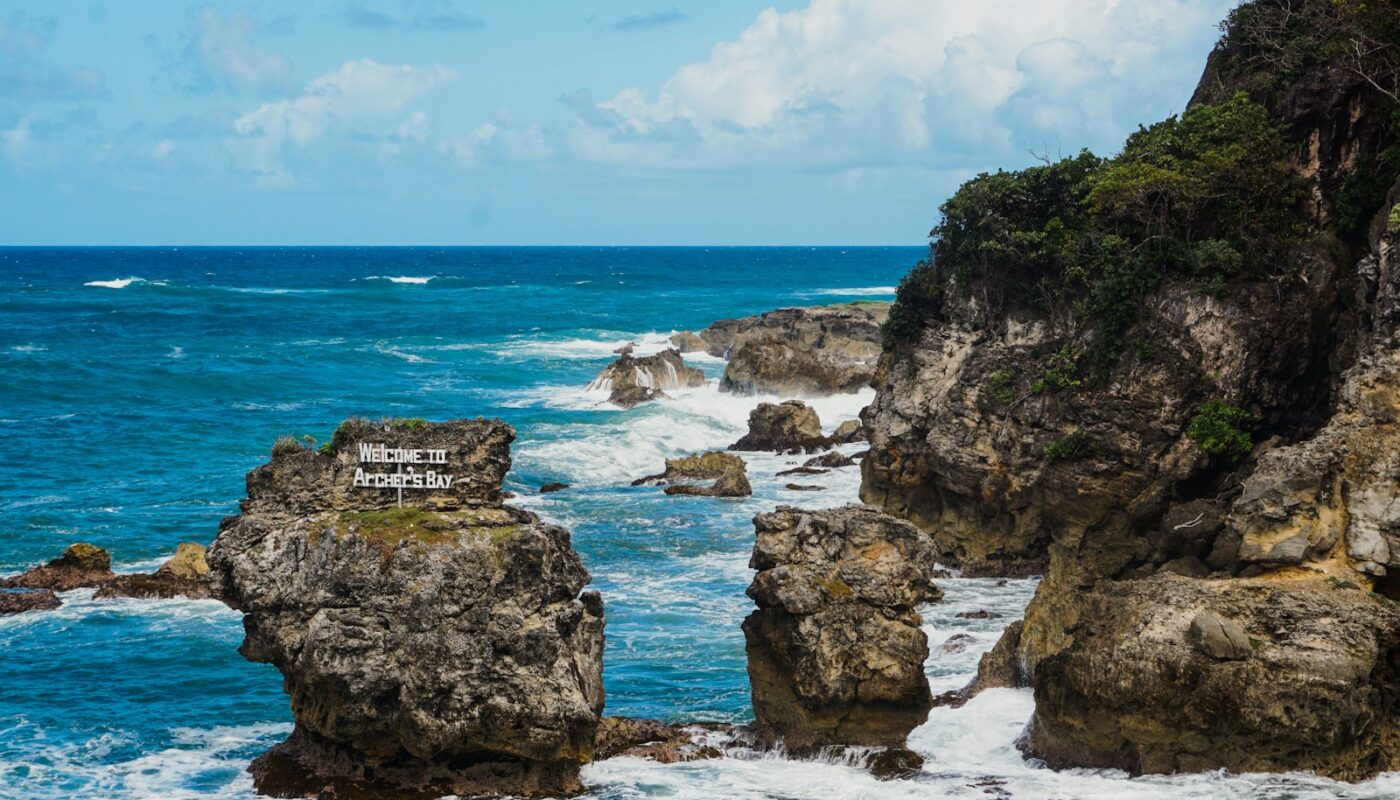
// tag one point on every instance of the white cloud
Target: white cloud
(363, 98)
(845, 83)
(218, 51)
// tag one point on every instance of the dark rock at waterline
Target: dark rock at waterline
(804, 487)
(81, 566)
(788, 427)
(446, 647)
(659, 742)
(849, 432)
(19, 601)
(833, 460)
(956, 643)
(185, 574)
(632, 381)
(894, 763)
(979, 614)
(553, 487)
(1000, 667)
(803, 471)
(835, 648)
(728, 472)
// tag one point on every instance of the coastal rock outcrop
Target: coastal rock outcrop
(795, 351)
(835, 649)
(185, 574)
(82, 565)
(1196, 442)
(15, 601)
(443, 647)
(727, 471)
(788, 427)
(1236, 674)
(633, 380)
(772, 366)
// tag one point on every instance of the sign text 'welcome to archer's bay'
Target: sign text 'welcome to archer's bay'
(408, 474)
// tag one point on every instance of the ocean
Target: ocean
(138, 386)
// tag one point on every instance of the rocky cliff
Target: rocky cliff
(1169, 379)
(445, 646)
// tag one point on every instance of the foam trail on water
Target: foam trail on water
(116, 283)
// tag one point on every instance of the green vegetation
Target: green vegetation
(1392, 226)
(1001, 386)
(1216, 430)
(1207, 195)
(1339, 584)
(410, 423)
(1059, 372)
(1074, 445)
(285, 445)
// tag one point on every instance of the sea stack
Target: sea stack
(836, 653)
(442, 646)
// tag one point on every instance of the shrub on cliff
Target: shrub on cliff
(1215, 429)
(1208, 194)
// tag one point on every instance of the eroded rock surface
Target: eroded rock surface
(17, 601)
(788, 427)
(835, 648)
(446, 647)
(82, 565)
(632, 380)
(728, 473)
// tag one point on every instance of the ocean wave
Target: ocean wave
(402, 279)
(580, 348)
(633, 443)
(116, 283)
(858, 291)
(29, 348)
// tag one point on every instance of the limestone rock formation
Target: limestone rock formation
(1201, 455)
(795, 351)
(1242, 675)
(20, 600)
(664, 744)
(442, 647)
(631, 381)
(185, 574)
(727, 471)
(81, 566)
(848, 432)
(835, 649)
(788, 427)
(847, 332)
(772, 366)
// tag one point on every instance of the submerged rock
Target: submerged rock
(835, 649)
(549, 488)
(631, 381)
(81, 566)
(788, 427)
(445, 647)
(657, 741)
(21, 600)
(832, 460)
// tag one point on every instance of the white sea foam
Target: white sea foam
(633, 443)
(643, 345)
(407, 279)
(116, 283)
(856, 291)
(29, 348)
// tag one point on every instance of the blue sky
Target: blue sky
(557, 122)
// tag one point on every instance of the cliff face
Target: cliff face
(1180, 361)
(442, 647)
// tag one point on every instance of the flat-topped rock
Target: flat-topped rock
(787, 427)
(82, 565)
(445, 647)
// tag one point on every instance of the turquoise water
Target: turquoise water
(138, 386)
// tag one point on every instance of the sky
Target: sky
(558, 122)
